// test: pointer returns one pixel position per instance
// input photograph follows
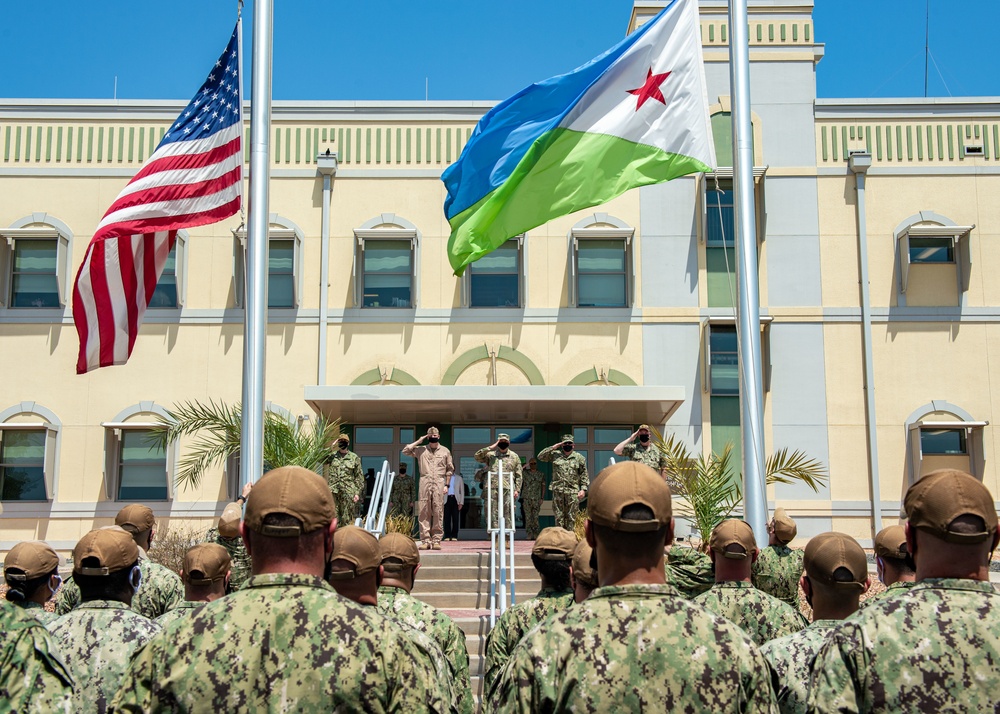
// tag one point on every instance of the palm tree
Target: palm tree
(217, 428)
(713, 492)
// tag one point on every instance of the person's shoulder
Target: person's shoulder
(161, 572)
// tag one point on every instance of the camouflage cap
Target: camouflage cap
(935, 501)
(733, 532)
(433, 431)
(343, 436)
(398, 546)
(583, 571)
(891, 543)
(112, 548)
(135, 518)
(503, 436)
(783, 526)
(358, 547)
(29, 560)
(829, 552)
(292, 491)
(205, 563)
(554, 543)
(569, 438)
(643, 426)
(229, 521)
(625, 484)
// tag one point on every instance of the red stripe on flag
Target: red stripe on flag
(177, 192)
(175, 222)
(80, 317)
(126, 269)
(189, 161)
(102, 301)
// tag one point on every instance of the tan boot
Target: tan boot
(436, 546)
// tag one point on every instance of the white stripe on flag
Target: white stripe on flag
(183, 207)
(177, 177)
(196, 146)
(116, 294)
(85, 295)
(139, 266)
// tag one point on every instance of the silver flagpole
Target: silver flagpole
(748, 318)
(255, 303)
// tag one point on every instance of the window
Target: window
(720, 224)
(724, 361)
(932, 249)
(602, 277)
(941, 435)
(386, 263)
(927, 240)
(34, 263)
(169, 292)
(719, 232)
(495, 279)
(284, 265)
(943, 442)
(22, 465)
(142, 467)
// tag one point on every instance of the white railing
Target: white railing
(500, 538)
(374, 520)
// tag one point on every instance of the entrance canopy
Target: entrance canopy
(375, 404)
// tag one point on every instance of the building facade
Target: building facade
(593, 323)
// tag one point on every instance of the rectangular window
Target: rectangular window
(943, 442)
(495, 279)
(387, 273)
(932, 249)
(165, 294)
(34, 274)
(720, 220)
(142, 467)
(281, 273)
(22, 465)
(472, 435)
(373, 435)
(724, 360)
(602, 273)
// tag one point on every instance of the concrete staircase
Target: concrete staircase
(458, 584)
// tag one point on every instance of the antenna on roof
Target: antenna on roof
(116, 88)
(927, 44)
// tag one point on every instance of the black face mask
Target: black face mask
(433, 439)
(567, 448)
(503, 445)
(342, 444)
(643, 438)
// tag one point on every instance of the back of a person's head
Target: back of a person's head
(106, 565)
(630, 511)
(836, 569)
(28, 568)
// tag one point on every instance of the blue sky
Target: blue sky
(462, 49)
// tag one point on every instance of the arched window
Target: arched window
(386, 263)
(602, 268)
(136, 466)
(35, 263)
(942, 435)
(284, 264)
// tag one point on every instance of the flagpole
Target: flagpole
(255, 303)
(748, 313)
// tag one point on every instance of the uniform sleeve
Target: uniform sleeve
(449, 465)
(135, 694)
(547, 454)
(836, 679)
(628, 451)
(521, 686)
(415, 685)
(458, 656)
(358, 477)
(484, 455)
(584, 483)
(413, 450)
(758, 687)
(496, 655)
(32, 679)
(68, 597)
(518, 475)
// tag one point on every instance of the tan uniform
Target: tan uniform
(436, 467)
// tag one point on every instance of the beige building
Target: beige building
(593, 323)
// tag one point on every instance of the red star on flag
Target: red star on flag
(651, 89)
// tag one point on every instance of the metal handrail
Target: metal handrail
(499, 537)
(374, 520)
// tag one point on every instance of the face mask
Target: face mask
(342, 444)
(503, 445)
(567, 448)
(433, 439)
(643, 438)
(135, 579)
(54, 590)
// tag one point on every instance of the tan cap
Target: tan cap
(206, 563)
(343, 437)
(569, 438)
(113, 549)
(433, 431)
(503, 436)
(784, 527)
(293, 491)
(643, 426)
(624, 484)
(135, 518)
(733, 532)
(401, 547)
(229, 521)
(358, 547)
(582, 569)
(29, 560)
(554, 543)
(933, 502)
(891, 543)
(828, 552)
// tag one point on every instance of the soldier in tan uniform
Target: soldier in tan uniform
(436, 467)
(634, 644)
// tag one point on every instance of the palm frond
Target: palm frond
(795, 467)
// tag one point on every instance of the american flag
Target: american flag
(194, 177)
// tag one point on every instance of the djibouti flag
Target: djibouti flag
(636, 115)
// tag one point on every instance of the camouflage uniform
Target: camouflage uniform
(404, 493)
(97, 640)
(777, 572)
(183, 609)
(32, 678)
(790, 658)
(35, 610)
(533, 494)
(935, 650)
(513, 625)
(899, 587)
(161, 591)
(239, 559)
(343, 474)
(284, 642)
(569, 477)
(689, 570)
(511, 469)
(761, 616)
(399, 605)
(649, 455)
(635, 648)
